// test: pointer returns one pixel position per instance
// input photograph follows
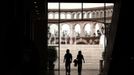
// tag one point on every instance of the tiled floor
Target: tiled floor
(74, 72)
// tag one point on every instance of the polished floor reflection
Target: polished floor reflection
(74, 72)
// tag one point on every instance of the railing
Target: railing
(74, 40)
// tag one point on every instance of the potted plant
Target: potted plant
(52, 56)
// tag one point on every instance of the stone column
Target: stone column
(65, 15)
(75, 39)
(71, 30)
(82, 30)
(53, 15)
(85, 15)
(88, 14)
(54, 38)
(72, 33)
(94, 28)
(61, 33)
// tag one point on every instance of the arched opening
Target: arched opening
(65, 30)
(110, 13)
(93, 14)
(90, 15)
(107, 13)
(102, 14)
(68, 15)
(79, 16)
(54, 29)
(88, 30)
(74, 15)
(77, 30)
(84, 15)
(97, 28)
(56, 15)
(65, 34)
(97, 14)
(62, 16)
(50, 15)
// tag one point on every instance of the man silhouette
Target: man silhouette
(80, 57)
(67, 60)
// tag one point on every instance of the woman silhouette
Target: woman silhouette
(80, 58)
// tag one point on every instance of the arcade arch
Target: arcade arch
(68, 16)
(65, 30)
(56, 15)
(50, 15)
(62, 15)
(77, 30)
(53, 29)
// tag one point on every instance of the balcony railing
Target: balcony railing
(74, 40)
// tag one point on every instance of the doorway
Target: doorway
(79, 26)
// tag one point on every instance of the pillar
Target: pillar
(82, 30)
(71, 30)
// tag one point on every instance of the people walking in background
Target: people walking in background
(79, 61)
(67, 60)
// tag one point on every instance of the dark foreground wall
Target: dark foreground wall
(20, 56)
(122, 57)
